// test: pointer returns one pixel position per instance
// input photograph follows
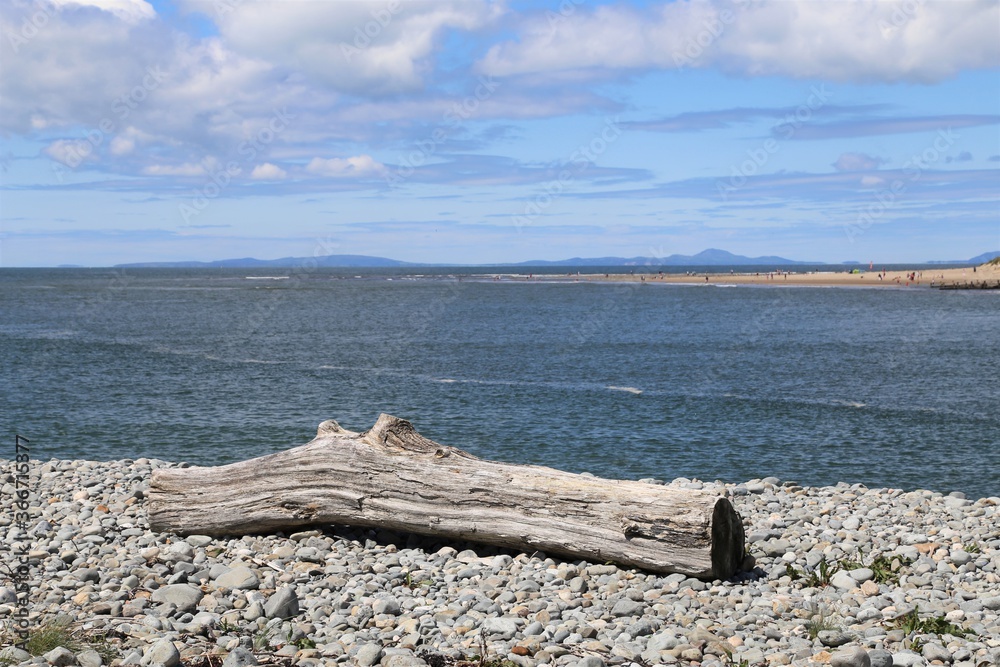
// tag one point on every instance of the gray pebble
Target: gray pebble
(240, 578)
(239, 657)
(850, 656)
(283, 604)
(368, 655)
(163, 652)
(183, 596)
(833, 638)
(504, 628)
(13, 654)
(627, 607)
(880, 658)
(386, 606)
(198, 540)
(60, 656)
(89, 658)
(907, 659)
(934, 651)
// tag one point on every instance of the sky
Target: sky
(479, 131)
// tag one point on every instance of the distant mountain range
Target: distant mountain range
(710, 257)
(978, 259)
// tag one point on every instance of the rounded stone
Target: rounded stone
(60, 656)
(239, 657)
(238, 578)
(283, 604)
(163, 652)
(833, 638)
(183, 596)
(880, 658)
(368, 655)
(850, 656)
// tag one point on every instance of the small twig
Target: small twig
(269, 564)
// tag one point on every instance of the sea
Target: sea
(886, 387)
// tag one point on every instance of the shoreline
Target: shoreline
(335, 595)
(985, 276)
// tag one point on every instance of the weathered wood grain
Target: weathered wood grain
(393, 477)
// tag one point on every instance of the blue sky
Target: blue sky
(471, 131)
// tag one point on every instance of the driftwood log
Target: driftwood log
(392, 477)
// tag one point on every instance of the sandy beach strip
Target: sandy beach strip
(988, 274)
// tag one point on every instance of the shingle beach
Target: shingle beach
(843, 575)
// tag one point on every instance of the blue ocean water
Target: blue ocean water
(887, 387)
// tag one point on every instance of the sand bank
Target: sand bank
(986, 273)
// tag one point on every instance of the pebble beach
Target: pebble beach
(845, 576)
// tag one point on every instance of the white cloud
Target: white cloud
(70, 152)
(268, 172)
(364, 46)
(857, 162)
(362, 165)
(125, 142)
(131, 11)
(187, 169)
(122, 145)
(837, 41)
(181, 99)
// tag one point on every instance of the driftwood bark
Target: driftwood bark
(392, 477)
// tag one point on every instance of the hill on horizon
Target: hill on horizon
(978, 259)
(710, 257)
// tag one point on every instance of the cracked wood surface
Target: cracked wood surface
(392, 477)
